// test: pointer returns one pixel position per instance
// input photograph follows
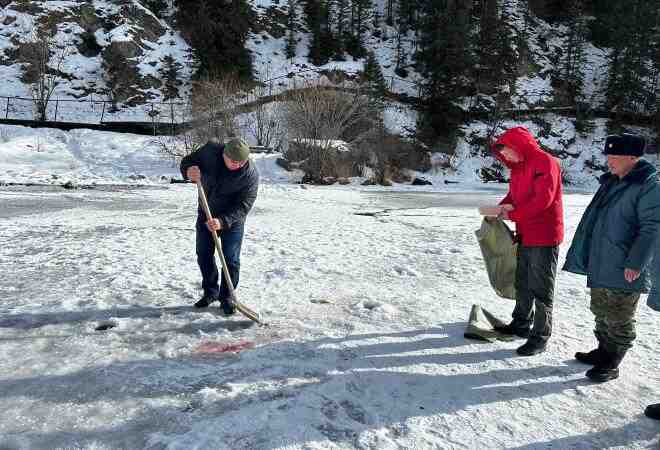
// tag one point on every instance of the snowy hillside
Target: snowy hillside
(270, 62)
(87, 37)
(146, 41)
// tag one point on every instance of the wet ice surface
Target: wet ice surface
(364, 348)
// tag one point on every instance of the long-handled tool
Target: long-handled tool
(247, 312)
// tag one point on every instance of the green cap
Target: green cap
(237, 150)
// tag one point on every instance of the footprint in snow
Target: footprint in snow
(105, 325)
(355, 412)
(405, 271)
(371, 304)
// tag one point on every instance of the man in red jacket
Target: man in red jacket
(534, 203)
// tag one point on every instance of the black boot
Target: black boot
(206, 300)
(512, 329)
(531, 347)
(608, 368)
(228, 306)
(592, 358)
(653, 411)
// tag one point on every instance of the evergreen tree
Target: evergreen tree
(495, 60)
(390, 11)
(361, 11)
(571, 73)
(291, 41)
(633, 27)
(342, 9)
(328, 43)
(217, 31)
(373, 76)
(400, 60)
(443, 59)
(403, 25)
(313, 15)
(169, 73)
(158, 7)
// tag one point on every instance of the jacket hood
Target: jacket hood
(639, 174)
(519, 139)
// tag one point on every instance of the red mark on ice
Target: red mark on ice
(221, 347)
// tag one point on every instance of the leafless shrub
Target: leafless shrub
(265, 122)
(211, 111)
(214, 107)
(179, 143)
(37, 53)
(5, 135)
(567, 177)
(316, 118)
(389, 155)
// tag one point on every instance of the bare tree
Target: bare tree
(215, 103)
(43, 59)
(265, 122)
(496, 117)
(179, 144)
(211, 112)
(318, 116)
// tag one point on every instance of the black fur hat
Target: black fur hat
(624, 144)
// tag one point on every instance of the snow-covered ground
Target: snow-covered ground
(366, 313)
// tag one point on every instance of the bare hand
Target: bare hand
(214, 224)
(194, 174)
(504, 211)
(631, 275)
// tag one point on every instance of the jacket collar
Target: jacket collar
(639, 174)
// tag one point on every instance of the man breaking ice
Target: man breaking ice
(231, 182)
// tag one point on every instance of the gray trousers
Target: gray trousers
(535, 290)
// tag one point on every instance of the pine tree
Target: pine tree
(328, 43)
(342, 9)
(400, 61)
(373, 75)
(494, 57)
(389, 12)
(291, 40)
(169, 73)
(633, 26)
(314, 19)
(402, 27)
(571, 73)
(158, 7)
(217, 32)
(444, 60)
(361, 11)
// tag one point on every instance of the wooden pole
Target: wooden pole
(247, 312)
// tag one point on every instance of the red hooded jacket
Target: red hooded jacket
(535, 190)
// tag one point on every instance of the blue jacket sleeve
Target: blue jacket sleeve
(648, 215)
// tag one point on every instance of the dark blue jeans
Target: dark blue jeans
(231, 239)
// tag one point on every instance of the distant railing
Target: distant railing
(82, 109)
(99, 111)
